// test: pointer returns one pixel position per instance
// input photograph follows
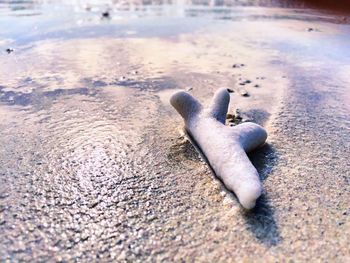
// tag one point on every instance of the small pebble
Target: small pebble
(106, 14)
(310, 29)
(230, 90)
(230, 116)
(256, 86)
(238, 65)
(9, 50)
(245, 94)
(245, 82)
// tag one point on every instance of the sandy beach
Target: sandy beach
(94, 163)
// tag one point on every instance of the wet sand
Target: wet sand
(94, 165)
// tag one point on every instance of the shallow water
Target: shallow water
(93, 162)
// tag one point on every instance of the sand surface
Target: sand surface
(94, 165)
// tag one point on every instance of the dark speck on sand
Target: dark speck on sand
(238, 65)
(106, 14)
(9, 50)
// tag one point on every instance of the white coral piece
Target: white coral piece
(225, 147)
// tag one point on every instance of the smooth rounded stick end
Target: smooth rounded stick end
(249, 194)
(185, 104)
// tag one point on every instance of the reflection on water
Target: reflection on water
(92, 166)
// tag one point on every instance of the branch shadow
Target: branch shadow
(261, 220)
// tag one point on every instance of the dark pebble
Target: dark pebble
(310, 29)
(245, 94)
(9, 50)
(256, 86)
(230, 116)
(230, 90)
(245, 82)
(238, 65)
(106, 14)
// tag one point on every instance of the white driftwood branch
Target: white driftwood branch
(225, 147)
